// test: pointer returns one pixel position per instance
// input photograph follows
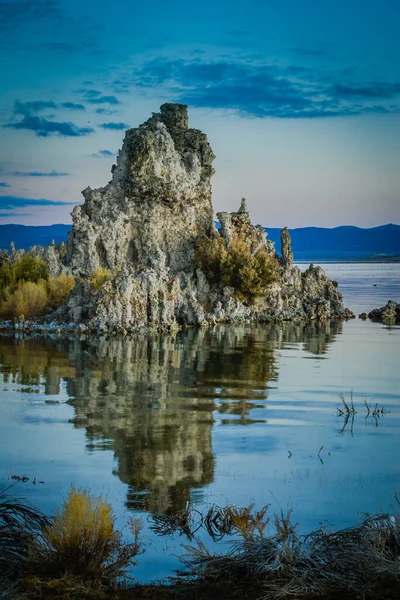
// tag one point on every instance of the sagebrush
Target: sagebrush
(236, 266)
(82, 541)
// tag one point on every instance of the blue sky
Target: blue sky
(300, 100)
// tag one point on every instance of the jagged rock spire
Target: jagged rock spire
(286, 246)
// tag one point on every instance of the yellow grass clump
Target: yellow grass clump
(28, 299)
(99, 277)
(82, 541)
(58, 289)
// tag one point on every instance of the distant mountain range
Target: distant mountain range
(308, 243)
(341, 243)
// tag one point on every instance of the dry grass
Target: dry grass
(58, 289)
(359, 562)
(28, 299)
(99, 277)
(20, 523)
(82, 541)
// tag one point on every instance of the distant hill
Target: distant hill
(308, 243)
(339, 243)
(25, 236)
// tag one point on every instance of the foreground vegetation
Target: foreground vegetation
(27, 289)
(79, 553)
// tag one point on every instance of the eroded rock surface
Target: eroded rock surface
(155, 206)
(389, 314)
(133, 244)
(143, 228)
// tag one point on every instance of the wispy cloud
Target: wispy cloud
(263, 90)
(6, 214)
(104, 100)
(106, 111)
(38, 174)
(44, 128)
(16, 12)
(102, 154)
(73, 106)
(14, 202)
(4, 185)
(114, 126)
(89, 93)
(28, 108)
(368, 90)
(31, 108)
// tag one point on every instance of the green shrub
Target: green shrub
(236, 266)
(28, 299)
(26, 289)
(58, 289)
(29, 268)
(82, 541)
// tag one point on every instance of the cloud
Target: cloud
(102, 154)
(261, 90)
(27, 108)
(89, 93)
(14, 202)
(31, 108)
(13, 13)
(106, 111)
(44, 128)
(4, 214)
(73, 106)
(114, 126)
(4, 185)
(371, 90)
(38, 174)
(104, 100)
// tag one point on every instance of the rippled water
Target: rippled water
(233, 415)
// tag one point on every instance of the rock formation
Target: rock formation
(159, 199)
(143, 227)
(286, 249)
(133, 244)
(389, 314)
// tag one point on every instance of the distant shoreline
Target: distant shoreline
(371, 259)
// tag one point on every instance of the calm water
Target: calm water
(234, 415)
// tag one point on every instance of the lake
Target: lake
(240, 415)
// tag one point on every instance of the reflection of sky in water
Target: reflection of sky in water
(235, 415)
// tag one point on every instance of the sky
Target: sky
(300, 100)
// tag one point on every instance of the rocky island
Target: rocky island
(145, 252)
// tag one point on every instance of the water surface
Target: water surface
(231, 415)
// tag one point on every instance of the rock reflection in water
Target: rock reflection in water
(151, 399)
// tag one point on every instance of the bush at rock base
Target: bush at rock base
(82, 542)
(27, 268)
(236, 266)
(58, 289)
(28, 299)
(26, 289)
